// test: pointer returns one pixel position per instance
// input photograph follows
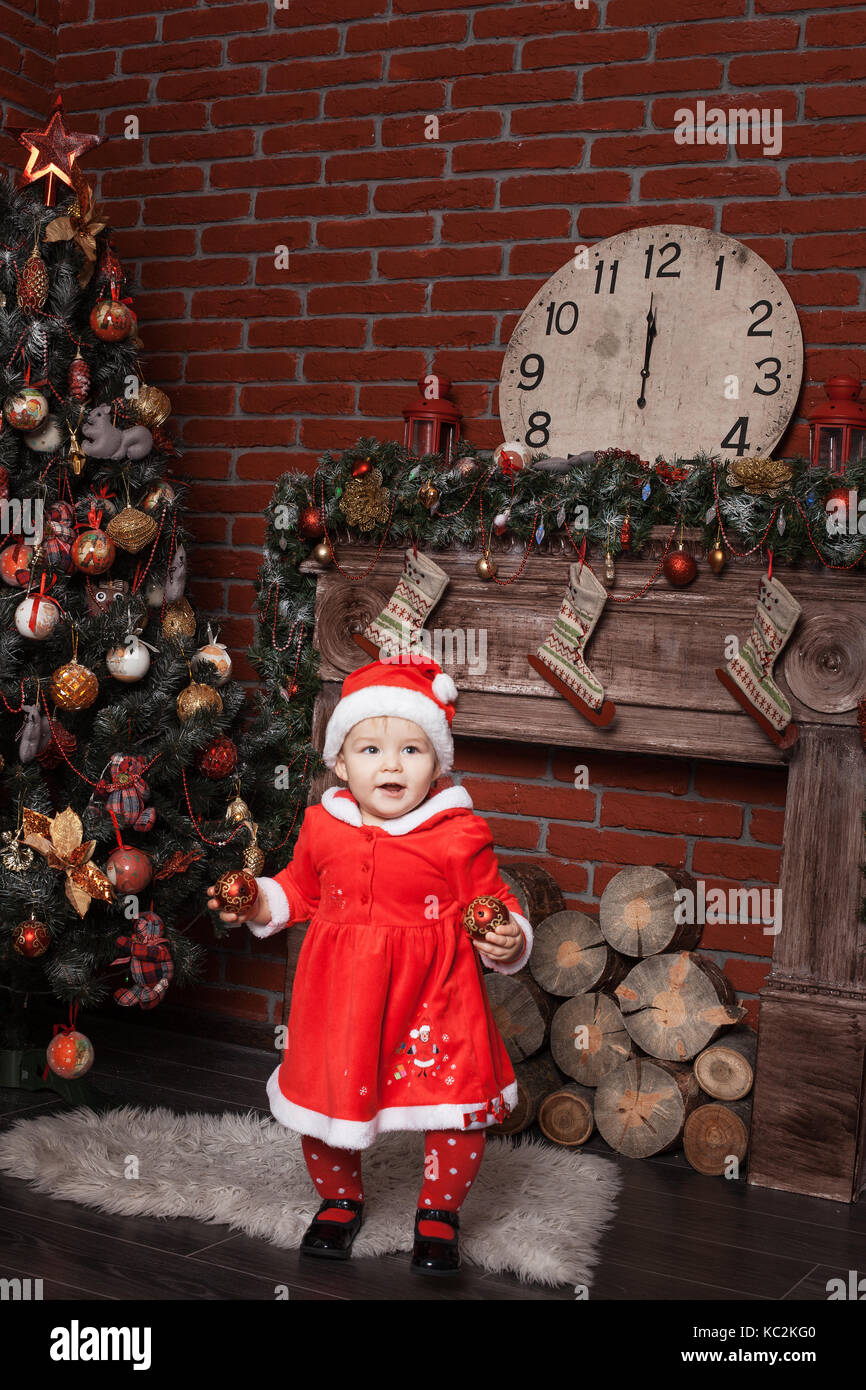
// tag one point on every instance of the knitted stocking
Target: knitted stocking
(748, 676)
(560, 659)
(396, 631)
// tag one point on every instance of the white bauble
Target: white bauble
(47, 618)
(130, 661)
(47, 438)
(216, 656)
(154, 593)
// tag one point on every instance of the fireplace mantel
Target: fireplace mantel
(656, 658)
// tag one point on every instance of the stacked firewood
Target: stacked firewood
(619, 1024)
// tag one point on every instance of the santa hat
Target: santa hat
(413, 687)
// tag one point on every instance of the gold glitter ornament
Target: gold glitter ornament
(238, 811)
(73, 686)
(132, 529)
(365, 501)
(253, 859)
(197, 699)
(179, 619)
(33, 283)
(151, 406)
(761, 477)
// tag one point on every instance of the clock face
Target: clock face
(665, 340)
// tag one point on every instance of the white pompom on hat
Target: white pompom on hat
(408, 687)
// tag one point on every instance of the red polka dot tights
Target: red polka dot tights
(451, 1162)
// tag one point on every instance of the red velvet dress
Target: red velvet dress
(390, 1024)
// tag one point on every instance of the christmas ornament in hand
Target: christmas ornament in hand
(149, 960)
(484, 915)
(559, 659)
(236, 891)
(398, 629)
(748, 675)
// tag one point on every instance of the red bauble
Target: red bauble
(679, 568)
(112, 320)
(69, 1054)
(31, 938)
(361, 468)
(236, 891)
(310, 524)
(15, 561)
(93, 551)
(483, 915)
(129, 869)
(218, 759)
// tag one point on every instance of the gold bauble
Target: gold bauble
(609, 574)
(151, 406)
(254, 860)
(322, 553)
(179, 620)
(485, 567)
(74, 686)
(428, 495)
(716, 559)
(132, 529)
(198, 698)
(238, 810)
(77, 457)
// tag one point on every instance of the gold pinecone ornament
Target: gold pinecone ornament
(365, 502)
(253, 860)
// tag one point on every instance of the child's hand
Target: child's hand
(505, 944)
(214, 903)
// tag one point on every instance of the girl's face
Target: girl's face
(389, 764)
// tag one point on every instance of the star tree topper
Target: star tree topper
(54, 150)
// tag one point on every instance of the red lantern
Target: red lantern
(837, 431)
(432, 421)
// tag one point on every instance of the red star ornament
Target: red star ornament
(54, 150)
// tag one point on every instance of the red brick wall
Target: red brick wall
(28, 43)
(304, 126)
(723, 823)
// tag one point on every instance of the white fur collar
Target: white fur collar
(341, 804)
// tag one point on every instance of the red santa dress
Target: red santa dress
(390, 1024)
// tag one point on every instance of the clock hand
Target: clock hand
(651, 332)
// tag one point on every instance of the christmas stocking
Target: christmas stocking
(397, 629)
(560, 659)
(748, 676)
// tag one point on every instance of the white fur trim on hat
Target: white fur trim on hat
(376, 701)
(444, 688)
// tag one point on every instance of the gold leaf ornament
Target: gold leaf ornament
(81, 225)
(761, 477)
(59, 839)
(365, 502)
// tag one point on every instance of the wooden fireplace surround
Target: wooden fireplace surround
(656, 658)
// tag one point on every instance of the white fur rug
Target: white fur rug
(534, 1210)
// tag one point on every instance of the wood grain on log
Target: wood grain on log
(726, 1071)
(675, 1005)
(521, 1011)
(638, 911)
(566, 1116)
(535, 1078)
(570, 956)
(642, 1106)
(713, 1134)
(588, 1038)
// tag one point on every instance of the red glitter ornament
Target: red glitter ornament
(218, 759)
(79, 379)
(61, 741)
(310, 524)
(679, 567)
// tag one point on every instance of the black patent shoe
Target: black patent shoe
(333, 1239)
(434, 1254)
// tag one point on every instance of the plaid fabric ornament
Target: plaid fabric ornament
(149, 960)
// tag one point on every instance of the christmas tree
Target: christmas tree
(121, 788)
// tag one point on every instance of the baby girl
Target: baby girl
(390, 1025)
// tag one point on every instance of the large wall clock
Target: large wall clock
(669, 341)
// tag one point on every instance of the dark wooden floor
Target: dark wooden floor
(676, 1235)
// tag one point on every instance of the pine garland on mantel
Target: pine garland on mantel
(610, 486)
